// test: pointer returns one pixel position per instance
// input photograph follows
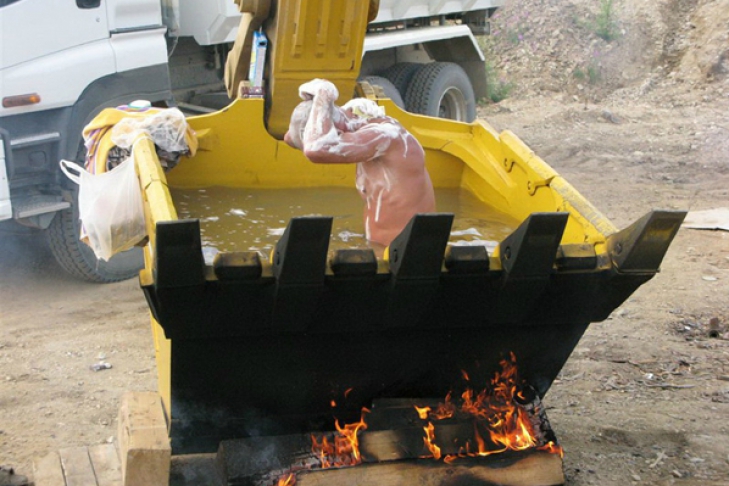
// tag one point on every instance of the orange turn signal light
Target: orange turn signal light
(21, 100)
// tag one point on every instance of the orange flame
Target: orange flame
(552, 448)
(289, 480)
(345, 449)
(429, 438)
(500, 423)
(445, 410)
(423, 412)
(497, 410)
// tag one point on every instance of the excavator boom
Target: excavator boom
(307, 39)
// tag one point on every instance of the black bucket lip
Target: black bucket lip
(425, 283)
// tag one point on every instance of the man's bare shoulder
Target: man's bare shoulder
(402, 151)
(385, 126)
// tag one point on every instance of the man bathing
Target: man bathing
(391, 174)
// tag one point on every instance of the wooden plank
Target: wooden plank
(144, 445)
(408, 443)
(47, 471)
(106, 464)
(77, 467)
(534, 469)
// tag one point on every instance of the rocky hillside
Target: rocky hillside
(596, 50)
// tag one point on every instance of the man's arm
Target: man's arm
(366, 143)
(325, 143)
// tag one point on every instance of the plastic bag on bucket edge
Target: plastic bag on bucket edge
(110, 207)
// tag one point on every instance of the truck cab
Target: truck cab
(64, 62)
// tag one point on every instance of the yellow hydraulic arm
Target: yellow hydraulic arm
(307, 39)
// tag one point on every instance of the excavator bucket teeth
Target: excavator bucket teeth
(640, 247)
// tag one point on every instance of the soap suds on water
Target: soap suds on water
(255, 219)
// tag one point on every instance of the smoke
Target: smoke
(24, 253)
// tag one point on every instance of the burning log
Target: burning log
(516, 468)
(500, 434)
(269, 461)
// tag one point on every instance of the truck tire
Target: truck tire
(401, 74)
(441, 89)
(78, 259)
(389, 89)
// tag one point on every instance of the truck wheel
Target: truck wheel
(401, 74)
(389, 89)
(441, 89)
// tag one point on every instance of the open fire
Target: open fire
(499, 418)
(288, 480)
(344, 449)
(503, 418)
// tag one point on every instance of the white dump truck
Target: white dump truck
(63, 61)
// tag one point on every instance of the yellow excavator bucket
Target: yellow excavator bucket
(266, 334)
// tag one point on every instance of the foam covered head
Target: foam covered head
(364, 108)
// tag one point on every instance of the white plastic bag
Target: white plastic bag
(166, 129)
(110, 207)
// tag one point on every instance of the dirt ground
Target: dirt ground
(636, 123)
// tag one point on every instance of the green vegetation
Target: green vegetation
(591, 73)
(497, 88)
(605, 26)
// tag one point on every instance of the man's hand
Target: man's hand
(318, 88)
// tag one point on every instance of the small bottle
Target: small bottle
(139, 105)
